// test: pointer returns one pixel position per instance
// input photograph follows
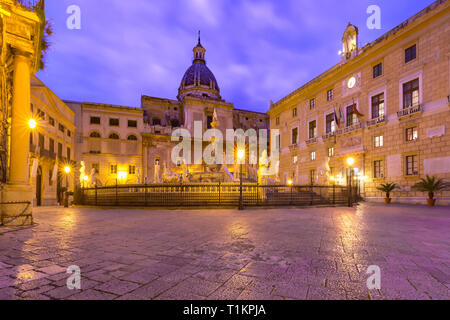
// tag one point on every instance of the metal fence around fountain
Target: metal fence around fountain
(214, 195)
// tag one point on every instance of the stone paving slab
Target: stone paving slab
(270, 254)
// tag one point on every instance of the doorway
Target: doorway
(39, 187)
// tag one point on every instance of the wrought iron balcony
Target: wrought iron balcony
(376, 121)
(311, 141)
(410, 111)
(329, 135)
(350, 128)
(32, 4)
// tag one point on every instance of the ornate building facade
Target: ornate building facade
(386, 105)
(141, 152)
(22, 26)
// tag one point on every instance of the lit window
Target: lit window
(313, 156)
(378, 141)
(294, 112)
(330, 123)
(378, 106)
(295, 159)
(312, 104)
(330, 152)
(411, 94)
(312, 129)
(412, 134)
(277, 121)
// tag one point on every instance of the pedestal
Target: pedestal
(16, 205)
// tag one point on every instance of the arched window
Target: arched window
(113, 136)
(132, 137)
(95, 134)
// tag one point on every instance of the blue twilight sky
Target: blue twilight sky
(259, 50)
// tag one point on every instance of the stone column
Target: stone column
(144, 162)
(18, 193)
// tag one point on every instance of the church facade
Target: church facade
(113, 152)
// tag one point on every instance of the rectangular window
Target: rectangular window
(295, 159)
(330, 123)
(312, 104)
(378, 141)
(41, 141)
(410, 53)
(59, 150)
(113, 122)
(96, 168)
(352, 118)
(330, 95)
(313, 156)
(378, 169)
(411, 166)
(95, 120)
(294, 135)
(411, 94)
(69, 133)
(156, 121)
(312, 176)
(51, 121)
(331, 152)
(412, 134)
(132, 124)
(68, 153)
(377, 70)
(312, 129)
(61, 128)
(294, 112)
(378, 106)
(278, 142)
(113, 169)
(277, 121)
(131, 169)
(51, 147)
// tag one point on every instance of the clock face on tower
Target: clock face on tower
(351, 82)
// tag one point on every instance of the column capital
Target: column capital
(21, 53)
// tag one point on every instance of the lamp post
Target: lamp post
(241, 155)
(67, 171)
(350, 163)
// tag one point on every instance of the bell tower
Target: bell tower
(350, 42)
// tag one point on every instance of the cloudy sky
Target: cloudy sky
(259, 50)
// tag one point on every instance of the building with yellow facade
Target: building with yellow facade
(386, 105)
(51, 146)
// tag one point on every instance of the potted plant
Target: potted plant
(431, 185)
(387, 188)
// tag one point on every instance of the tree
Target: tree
(431, 185)
(387, 188)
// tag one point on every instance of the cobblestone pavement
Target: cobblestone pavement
(315, 253)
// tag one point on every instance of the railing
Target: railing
(329, 136)
(32, 4)
(311, 141)
(410, 111)
(213, 195)
(376, 121)
(350, 128)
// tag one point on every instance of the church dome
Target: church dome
(198, 80)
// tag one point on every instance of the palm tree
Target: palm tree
(387, 188)
(431, 185)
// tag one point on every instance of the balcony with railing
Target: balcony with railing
(351, 128)
(329, 135)
(414, 110)
(32, 4)
(379, 120)
(312, 140)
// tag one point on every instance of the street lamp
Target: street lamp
(350, 163)
(290, 182)
(241, 155)
(32, 124)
